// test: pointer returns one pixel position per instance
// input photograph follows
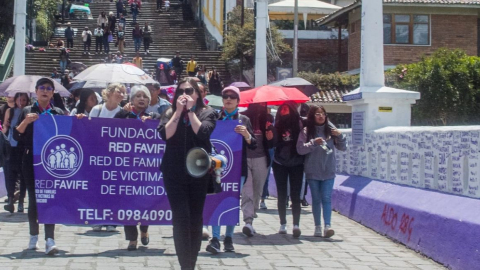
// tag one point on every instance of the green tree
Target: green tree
(241, 42)
(449, 83)
(6, 19)
(44, 11)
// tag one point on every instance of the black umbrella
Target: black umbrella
(303, 85)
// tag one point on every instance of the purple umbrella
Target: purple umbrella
(240, 84)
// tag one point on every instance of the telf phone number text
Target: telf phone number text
(137, 215)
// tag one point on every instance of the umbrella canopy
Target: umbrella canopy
(272, 95)
(303, 85)
(109, 73)
(214, 101)
(240, 84)
(77, 65)
(26, 84)
(95, 86)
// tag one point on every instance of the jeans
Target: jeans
(27, 167)
(228, 233)
(106, 45)
(63, 65)
(146, 44)
(187, 198)
(137, 42)
(98, 44)
(69, 42)
(283, 176)
(321, 194)
(13, 170)
(86, 45)
(265, 193)
(134, 14)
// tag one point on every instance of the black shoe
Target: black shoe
(20, 207)
(214, 246)
(145, 240)
(10, 207)
(228, 244)
(132, 247)
(305, 203)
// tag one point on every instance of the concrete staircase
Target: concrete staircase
(173, 30)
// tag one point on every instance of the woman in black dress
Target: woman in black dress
(188, 124)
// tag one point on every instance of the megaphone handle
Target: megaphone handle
(218, 174)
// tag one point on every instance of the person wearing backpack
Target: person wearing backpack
(13, 162)
(87, 40)
(63, 59)
(137, 34)
(147, 38)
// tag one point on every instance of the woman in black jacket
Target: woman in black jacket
(139, 99)
(187, 124)
(288, 165)
(24, 133)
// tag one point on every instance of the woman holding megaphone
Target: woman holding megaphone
(187, 124)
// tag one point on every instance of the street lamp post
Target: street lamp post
(295, 39)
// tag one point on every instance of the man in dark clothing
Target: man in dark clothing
(119, 6)
(177, 64)
(159, 5)
(69, 35)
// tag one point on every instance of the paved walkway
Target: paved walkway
(353, 247)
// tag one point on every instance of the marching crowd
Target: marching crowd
(303, 143)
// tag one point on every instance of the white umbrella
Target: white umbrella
(26, 84)
(114, 73)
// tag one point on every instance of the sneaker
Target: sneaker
(214, 246)
(228, 244)
(111, 229)
(328, 232)
(205, 233)
(263, 205)
(318, 231)
(283, 229)
(20, 207)
(50, 248)
(296, 231)
(248, 230)
(33, 244)
(97, 228)
(305, 203)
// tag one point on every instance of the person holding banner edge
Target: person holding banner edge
(139, 100)
(231, 99)
(24, 133)
(188, 124)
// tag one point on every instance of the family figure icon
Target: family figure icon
(60, 159)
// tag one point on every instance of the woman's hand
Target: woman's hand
(336, 132)
(242, 130)
(181, 102)
(318, 141)
(144, 118)
(30, 118)
(190, 102)
(127, 107)
(80, 115)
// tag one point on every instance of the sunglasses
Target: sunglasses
(320, 114)
(226, 96)
(187, 91)
(43, 88)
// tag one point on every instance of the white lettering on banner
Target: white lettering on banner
(141, 190)
(130, 133)
(229, 186)
(147, 162)
(61, 184)
(141, 176)
(100, 161)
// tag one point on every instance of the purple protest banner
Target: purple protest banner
(106, 171)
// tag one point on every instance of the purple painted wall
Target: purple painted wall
(442, 226)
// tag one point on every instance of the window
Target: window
(406, 29)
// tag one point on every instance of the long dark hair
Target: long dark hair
(84, 95)
(58, 102)
(311, 123)
(290, 122)
(257, 113)
(17, 96)
(199, 106)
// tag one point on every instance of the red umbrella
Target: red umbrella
(272, 95)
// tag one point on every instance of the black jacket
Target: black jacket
(129, 115)
(184, 139)
(253, 143)
(26, 138)
(267, 144)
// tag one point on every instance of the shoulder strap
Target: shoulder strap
(100, 110)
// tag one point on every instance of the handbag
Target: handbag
(110, 38)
